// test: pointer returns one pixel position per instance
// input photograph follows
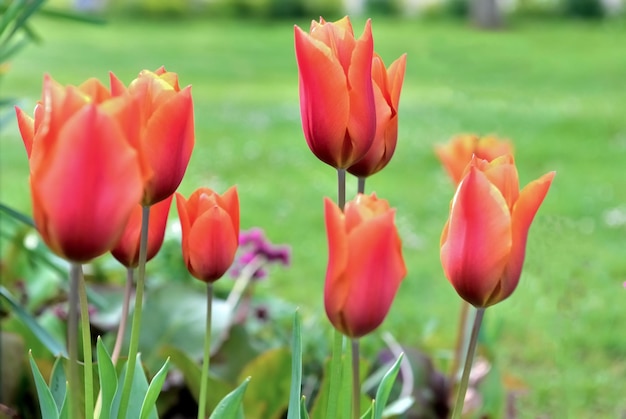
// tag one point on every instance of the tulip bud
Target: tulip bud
(365, 264)
(483, 244)
(210, 232)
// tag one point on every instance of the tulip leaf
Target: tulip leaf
(138, 391)
(58, 384)
(108, 379)
(303, 412)
(384, 389)
(369, 413)
(18, 215)
(46, 400)
(296, 370)
(42, 334)
(149, 402)
(231, 406)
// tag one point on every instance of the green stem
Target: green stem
(121, 331)
(335, 375)
(460, 345)
(87, 355)
(136, 324)
(361, 185)
(471, 349)
(341, 188)
(356, 381)
(72, 341)
(204, 380)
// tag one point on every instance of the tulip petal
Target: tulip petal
(477, 240)
(212, 244)
(527, 205)
(79, 186)
(502, 173)
(168, 143)
(376, 265)
(336, 289)
(321, 77)
(184, 207)
(26, 125)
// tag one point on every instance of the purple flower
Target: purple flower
(254, 247)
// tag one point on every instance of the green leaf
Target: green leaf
(58, 384)
(303, 412)
(217, 388)
(231, 406)
(149, 402)
(138, 391)
(369, 413)
(42, 334)
(384, 389)
(344, 405)
(267, 396)
(296, 370)
(108, 379)
(46, 400)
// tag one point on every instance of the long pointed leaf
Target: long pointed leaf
(296, 370)
(108, 379)
(231, 406)
(303, 412)
(42, 334)
(384, 389)
(58, 384)
(154, 390)
(46, 400)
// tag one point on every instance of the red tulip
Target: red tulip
(365, 265)
(457, 153)
(126, 251)
(210, 227)
(78, 154)
(336, 93)
(164, 130)
(387, 87)
(484, 241)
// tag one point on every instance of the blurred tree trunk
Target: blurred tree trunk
(485, 14)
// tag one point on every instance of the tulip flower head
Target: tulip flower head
(365, 266)
(336, 91)
(78, 151)
(210, 232)
(126, 251)
(164, 136)
(483, 243)
(458, 152)
(387, 87)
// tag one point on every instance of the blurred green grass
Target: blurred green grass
(557, 89)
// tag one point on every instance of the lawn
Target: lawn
(557, 89)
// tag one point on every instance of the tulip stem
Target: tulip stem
(72, 341)
(334, 385)
(471, 349)
(134, 331)
(121, 331)
(361, 185)
(356, 381)
(460, 345)
(341, 188)
(204, 380)
(86, 332)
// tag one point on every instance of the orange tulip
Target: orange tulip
(484, 241)
(210, 232)
(126, 251)
(78, 153)
(165, 129)
(365, 265)
(457, 153)
(336, 93)
(387, 87)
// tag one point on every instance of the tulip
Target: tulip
(387, 87)
(336, 91)
(457, 153)
(78, 152)
(365, 265)
(483, 244)
(210, 232)
(164, 130)
(126, 251)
